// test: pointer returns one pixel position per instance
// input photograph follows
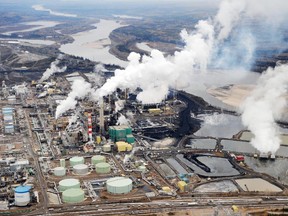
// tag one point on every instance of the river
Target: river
(33, 26)
(95, 44)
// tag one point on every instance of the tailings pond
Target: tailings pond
(219, 125)
(208, 165)
(276, 168)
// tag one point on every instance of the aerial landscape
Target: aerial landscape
(124, 107)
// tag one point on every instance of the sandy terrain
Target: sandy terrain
(232, 95)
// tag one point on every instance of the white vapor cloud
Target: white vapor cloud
(155, 74)
(53, 69)
(264, 106)
(55, 13)
(127, 17)
(80, 89)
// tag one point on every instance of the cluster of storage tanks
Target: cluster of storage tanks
(79, 168)
(72, 192)
(70, 188)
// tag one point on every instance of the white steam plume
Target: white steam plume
(53, 69)
(122, 120)
(264, 106)
(55, 13)
(155, 74)
(99, 68)
(97, 76)
(228, 15)
(80, 89)
(232, 11)
(72, 119)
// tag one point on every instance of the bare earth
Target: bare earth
(232, 95)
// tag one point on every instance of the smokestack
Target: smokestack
(90, 127)
(101, 120)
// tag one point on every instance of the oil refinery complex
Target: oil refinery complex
(123, 157)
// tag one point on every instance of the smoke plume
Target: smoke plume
(227, 40)
(99, 68)
(80, 89)
(122, 120)
(209, 44)
(53, 69)
(264, 106)
(155, 73)
(55, 13)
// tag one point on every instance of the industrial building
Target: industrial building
(123, 146)
(182, 186)
(121, 133)
(8, 120)
(77, 161)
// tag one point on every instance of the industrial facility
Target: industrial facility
(93, 155)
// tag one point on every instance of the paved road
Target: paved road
(204, 204)
(30, 142)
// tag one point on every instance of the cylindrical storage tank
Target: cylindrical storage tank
(76, 160)
(62, 162)
(98, 159)
(119, 185)
(106, 148)
(80, 169)
(59, 171)
(22, 195)
(68, 184)
(103, 168)
(73, 195)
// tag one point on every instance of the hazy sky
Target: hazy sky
(106, 7)
(132, 2)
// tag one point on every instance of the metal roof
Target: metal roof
(119, 182)
(23, 189)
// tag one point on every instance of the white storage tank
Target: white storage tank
(68, 184)
(22, 195)
(76, 160)
(80, 169)
(106, 148)
(59, 171)
(119, 185)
